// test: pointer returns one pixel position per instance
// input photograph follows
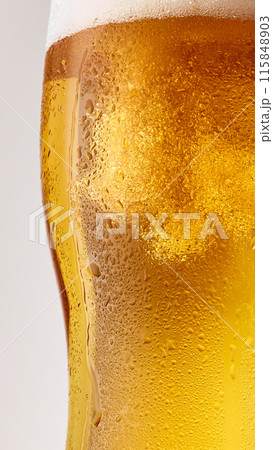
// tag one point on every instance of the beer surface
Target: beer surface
(70, 16)
(127, 107)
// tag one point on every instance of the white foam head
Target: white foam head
(70, 16)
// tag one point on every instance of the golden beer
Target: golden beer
(159, 323)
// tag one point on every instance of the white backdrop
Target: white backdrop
(33, 387)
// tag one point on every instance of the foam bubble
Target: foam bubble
(70, 16)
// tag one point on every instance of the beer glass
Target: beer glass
(147, 167)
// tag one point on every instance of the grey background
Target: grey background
(33, 387)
